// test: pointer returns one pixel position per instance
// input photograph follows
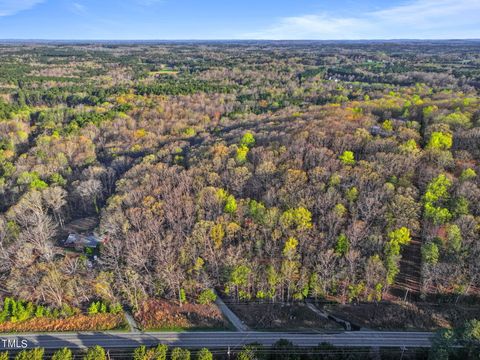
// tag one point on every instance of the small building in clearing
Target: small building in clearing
(83, 242)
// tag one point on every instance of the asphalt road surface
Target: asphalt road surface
(212, 340)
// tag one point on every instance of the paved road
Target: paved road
(230, 315)
(218, 339)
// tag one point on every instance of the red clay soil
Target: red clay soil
(99, 322)
(161, 314)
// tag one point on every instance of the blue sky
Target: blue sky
(239, 19)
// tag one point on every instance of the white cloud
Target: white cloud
(428, 19)
(11, 7)
(79, 8)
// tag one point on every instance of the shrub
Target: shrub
(207, 297)
(93, 309)
(182, 296)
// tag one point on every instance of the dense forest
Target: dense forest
(266, 171)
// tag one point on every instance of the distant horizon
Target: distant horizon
(238, 40)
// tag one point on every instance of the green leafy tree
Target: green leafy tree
(285, 350)
(34, 354)
(400, 236)
(430, 253)
(217, 233)
(33, 180)
(94, 308)
(247, 140)
(63, 354)
(437, 193)
(180, 354)
(471, 338)
(352, 194)
(437, 189)
(4, 355)
(454, 238)
(442, 345)
(347, 158)
(300, 218)
(160, 352)
(440, 141)
(468, 174)
(409, 147)
(257, 211)
(457, 120)
(397, 239)
(241, 156)
(230, 205)
(251, 352)
(206, 297)
(437, 214)
(204, 354)
(239, 279)
(95, 353)
(461, 207)
(387, 125)
(471, 331)
(140, 353)
(290, 248)
(182, 296)
(343, 245)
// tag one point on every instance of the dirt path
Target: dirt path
(320, 312)
(134, 328)
(410, 270)
(230, 315)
